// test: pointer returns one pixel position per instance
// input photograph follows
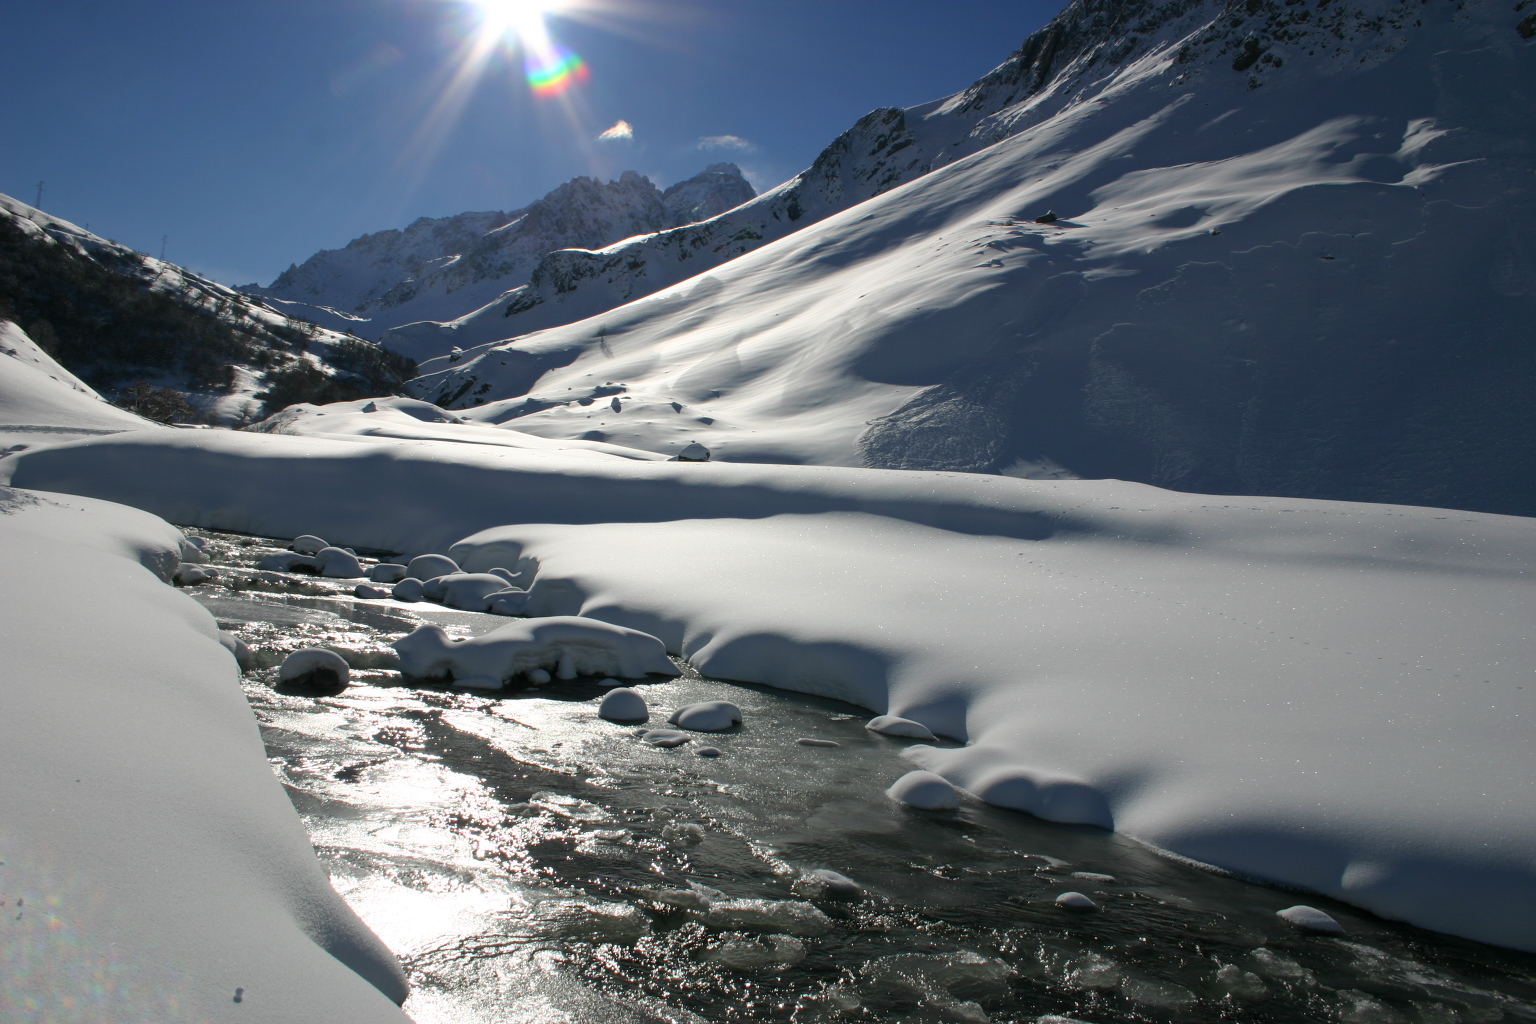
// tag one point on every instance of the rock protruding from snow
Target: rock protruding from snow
(925, 790)
(308, 544)
(891, 725)
(368, 592)
(1310, 919)
(427, 567)
(1075, 901)
(624, 704)
(315, 668)
(707, 716)
(695, 452)
(570, 644)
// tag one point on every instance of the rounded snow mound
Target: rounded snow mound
(707, 716)
(387, 572)
(339, 563)
(427, 567)
(924, 790)
(467, 591)
(308, 544)
(571, 645)
(624, 705)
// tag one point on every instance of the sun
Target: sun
(516, 21)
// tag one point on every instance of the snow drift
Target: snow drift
(1244, 248)
(152, 867)
(1329, 695)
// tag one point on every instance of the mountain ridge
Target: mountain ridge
(1314, 285)
(453, 264)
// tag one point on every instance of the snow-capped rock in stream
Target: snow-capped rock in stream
(442, 268)
(924, 790)
(624, 704)
(1286, 257)
(569, 644)
(707, 716)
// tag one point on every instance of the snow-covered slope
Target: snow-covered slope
(1332, 695)
(229, 344)
(151, 866)
(41, 402)
(1290, 255)
(442, 268)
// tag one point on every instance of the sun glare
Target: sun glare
(516, 21)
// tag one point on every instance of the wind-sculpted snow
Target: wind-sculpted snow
(1328, 695)
(152, 867)
(1304, 276)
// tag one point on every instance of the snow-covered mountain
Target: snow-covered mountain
(113, 315)
(441, 268)
(1245, 247)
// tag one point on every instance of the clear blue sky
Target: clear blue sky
(255, 132)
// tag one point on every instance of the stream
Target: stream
(531, 862)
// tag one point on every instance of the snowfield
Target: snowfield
(1336, 696)
(151, 866)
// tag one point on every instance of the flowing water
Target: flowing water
(530, 862)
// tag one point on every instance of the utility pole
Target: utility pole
(163, 240)
(39, 203)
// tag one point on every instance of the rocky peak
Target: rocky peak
(719, 187)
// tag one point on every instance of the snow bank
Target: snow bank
(150, 863)
(1324, 694)
(1331, 696)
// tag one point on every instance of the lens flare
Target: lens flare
(551, 73)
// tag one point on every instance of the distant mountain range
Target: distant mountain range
(441, 268)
